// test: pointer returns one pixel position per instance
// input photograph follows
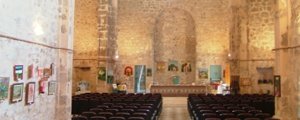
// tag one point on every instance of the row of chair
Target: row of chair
(92, 106)
(201, 106)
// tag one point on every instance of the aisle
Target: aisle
(174, 108)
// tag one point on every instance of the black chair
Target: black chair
(254, 111)
(96, 110)
(106, 114)
(232, 118)
(123, 114)
(227, 115)
(80, 118)
(209, 115)
(136, 118)
(244, 115)
(116, 118)
(97, 118)
(88, 114)
(251, 119)
(262, 115)
(213, 119)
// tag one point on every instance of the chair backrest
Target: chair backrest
(252, 119)
(98, 118)
(263, 115)
(136, 118)
(88, 114)
(79, 118)
(232, 118)
(116, 118)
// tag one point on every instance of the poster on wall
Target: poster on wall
(30, 92)
(140, 78)
(42, 85)
(160, 66)
(30, 71)
(47, 72)
(149, 72)
(203, 73)
(102, 73)
(128, 71)
(173, 65)
(16, 92)
(18, 72)
(110, 79)
(186, 67)
(277, 86)
(215, 73)
(4, 85)
(51, 87)
(176, 80)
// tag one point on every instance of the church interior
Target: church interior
(150, 60)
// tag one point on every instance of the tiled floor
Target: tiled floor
(174, 108)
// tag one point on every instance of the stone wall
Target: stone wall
(287, 52)
(252, 43)
(136, 25)
(86, 43)
(36, 33)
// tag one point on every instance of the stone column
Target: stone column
(64, 61)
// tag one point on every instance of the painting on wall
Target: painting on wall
(51, 87)
(140, 78)
(175, 80)
(42, 85)
(128, 71)
(18, 72)
(30, 71)
(149, 72)
(4, 85)
(215, 73)
(16, 92)
(47, 72)
(173, 65)
(277, 86)
(30, 92)
(186, 67)
(160, 66)
(203, 73)
(110, 79)
(102, 73)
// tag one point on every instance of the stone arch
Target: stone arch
(175, 39)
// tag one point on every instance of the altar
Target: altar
(178, 90)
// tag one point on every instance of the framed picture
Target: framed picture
(203, 73)
(30, 93)
(149, 72)
(110, 79)
(128, 71)
(30, 71)
(186, 67)
(277, 86)
(173, 65)
(42, 85)
(215, 73)
(4, 85)
(18, 72)
(47, 72)
(16, 92)
(160, 66)
(51, 87)
(102, 73)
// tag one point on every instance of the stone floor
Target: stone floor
(174, 108)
